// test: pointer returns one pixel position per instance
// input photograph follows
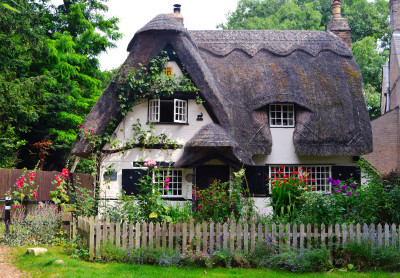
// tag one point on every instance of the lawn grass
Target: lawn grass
(44, 266)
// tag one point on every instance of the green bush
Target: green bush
(222, 201)
(366, 255)
(161, 256)
(286, 190)
(378, 201)
(262, 253)
(314, 260)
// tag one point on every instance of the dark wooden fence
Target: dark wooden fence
(8, 178)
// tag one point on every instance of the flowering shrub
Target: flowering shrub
(38, 226)
(83, 201)
(221, 201)
(23, 189)
(147, 205)
(60, 194)
(286, 189)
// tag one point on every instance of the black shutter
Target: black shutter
(256, 178)
(344, 173)
(130, 180)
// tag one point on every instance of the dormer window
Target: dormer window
(281, 115)
(168, 111)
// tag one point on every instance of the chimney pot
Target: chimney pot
(339, 25)
(336, 9)
(177, 13)
(177, 8)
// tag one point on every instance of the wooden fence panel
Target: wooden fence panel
(43, 180)
(206, 237)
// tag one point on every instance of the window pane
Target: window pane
(281, 115)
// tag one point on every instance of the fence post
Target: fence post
(7, 214)
(91, 237)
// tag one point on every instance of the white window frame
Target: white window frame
(319, 173)
(175, 184)
(278, 117)
(180, 110)
(154, 110)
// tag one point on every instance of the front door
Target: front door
(206, 174)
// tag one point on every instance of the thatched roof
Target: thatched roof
(239, 73)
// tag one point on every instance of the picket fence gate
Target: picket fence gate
(207, 237)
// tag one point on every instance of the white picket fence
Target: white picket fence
(207, 237)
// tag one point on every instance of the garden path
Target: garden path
(7, 269)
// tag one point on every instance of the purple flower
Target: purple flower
(329, 194)
(355, 193)
(348, 193)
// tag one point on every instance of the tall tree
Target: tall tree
(369, 22)
(51, 72)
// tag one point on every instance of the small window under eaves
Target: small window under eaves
(281, 115)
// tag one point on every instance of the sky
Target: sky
(134, 14)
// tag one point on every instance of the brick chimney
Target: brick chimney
(339, 25)
(177, 13)
(394, 7)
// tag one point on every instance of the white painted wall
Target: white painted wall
(180, 133)
(283, 152)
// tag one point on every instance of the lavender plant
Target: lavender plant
(38, 226)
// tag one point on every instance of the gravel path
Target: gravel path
(7, 269)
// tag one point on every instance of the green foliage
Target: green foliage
(376, 202)
(223, 201)
(49, 75)
(368, 20)
(151, 81)
(314, 260)
(148, 205)
(286, 191)
(83, 202)
(368, 255)
(161, 256)
(370, 61)
(60, 194)
(144, 138)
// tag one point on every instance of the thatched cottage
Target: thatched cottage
(386, 128)
(291, 98)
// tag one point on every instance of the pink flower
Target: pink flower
(150, 163)
(32, 176)
(65, 172)
(166, 182)
(34, 194)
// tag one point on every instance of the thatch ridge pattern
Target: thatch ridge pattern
(279, 42)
